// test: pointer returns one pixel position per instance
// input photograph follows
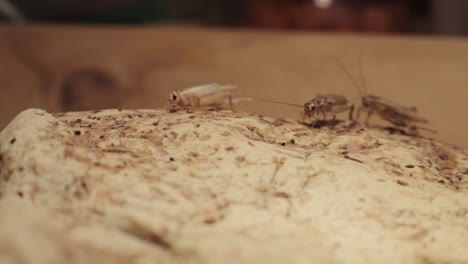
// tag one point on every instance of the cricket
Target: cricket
(396, 114)
(319, 107)
(326, 104)
(207, 95)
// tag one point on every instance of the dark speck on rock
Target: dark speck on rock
(402, 183)
(155, 123)
(444, 156)
(13, 140)
(171, 159)
(230, 148)
(77, 132)
(283, 144)
(409, 166)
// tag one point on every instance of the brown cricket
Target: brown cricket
(318, 107)
(397, 114)
(326, 104)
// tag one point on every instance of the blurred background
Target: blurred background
(385, 16)
(81, 54)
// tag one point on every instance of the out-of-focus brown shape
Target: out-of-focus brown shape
(385, 18)
(268, 14)
(88, 88)
(280, 14)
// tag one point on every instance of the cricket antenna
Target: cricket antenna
(275, 102)
(343, 67)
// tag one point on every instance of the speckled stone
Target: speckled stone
(147, 186)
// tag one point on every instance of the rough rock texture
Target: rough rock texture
(149, 186)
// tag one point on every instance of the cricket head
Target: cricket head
(174, 98)
(309, 108)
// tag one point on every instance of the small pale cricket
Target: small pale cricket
(207, 95)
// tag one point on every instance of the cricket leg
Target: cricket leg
(194, 102)
(358, 114)
(426, 129)
(230, 102)
(324, 115)
(314, 122)
(326, 127)
(351, 111)
(414, 131)
(369, 114)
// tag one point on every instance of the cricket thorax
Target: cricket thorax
(310, 106)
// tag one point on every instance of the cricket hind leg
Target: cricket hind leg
(315, 120)
(358, 113)
(304, 117)
(369, 114)
(414, 130)
(324, 116)
(351, 111)
(352, 120)
(230, 101)
(314, 123)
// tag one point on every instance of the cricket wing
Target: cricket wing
(208, 89)
(400, 109)
(402, 116)
(410, 112)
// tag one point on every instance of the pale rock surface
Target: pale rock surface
(147, 186)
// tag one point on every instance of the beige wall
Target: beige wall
(64, 68)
